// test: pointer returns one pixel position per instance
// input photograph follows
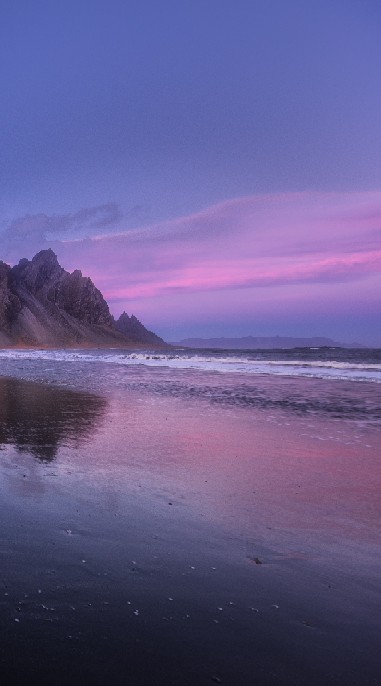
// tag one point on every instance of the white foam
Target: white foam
(236, 364)
(244, 365)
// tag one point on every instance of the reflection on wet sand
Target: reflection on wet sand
(38, 419)
(183, 542)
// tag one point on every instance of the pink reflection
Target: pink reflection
(295, 484)
(257, 473)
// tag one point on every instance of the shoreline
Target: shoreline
(181, 509)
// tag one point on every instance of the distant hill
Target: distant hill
(263, 343)
(41, 304)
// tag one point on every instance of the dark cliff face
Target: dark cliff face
(42, 304)
(9, 303)
(47, 281)
(78, 296)
(37, 275)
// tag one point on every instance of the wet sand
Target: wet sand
(149, 539)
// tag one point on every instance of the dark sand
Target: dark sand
(158, 540)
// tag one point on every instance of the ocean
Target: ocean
(335, 382)
(361, 364)
(190, 517)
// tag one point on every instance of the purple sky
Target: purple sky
(213, 165)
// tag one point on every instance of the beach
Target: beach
(174, 525)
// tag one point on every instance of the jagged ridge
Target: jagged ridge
(41, 304)
(132, 327)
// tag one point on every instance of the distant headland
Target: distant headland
(42, 305)
(264, 343)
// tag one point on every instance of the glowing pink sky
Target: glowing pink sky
(310, 256)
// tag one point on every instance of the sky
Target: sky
(213, 165)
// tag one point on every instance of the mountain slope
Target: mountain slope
(41, 304)
(134, 329)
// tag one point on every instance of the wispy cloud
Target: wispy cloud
(298, 241)
(30, 233)
(258, 240)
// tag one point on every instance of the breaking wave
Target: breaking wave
(314, 363)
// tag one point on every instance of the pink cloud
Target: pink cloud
(248, 273)
(255, 242)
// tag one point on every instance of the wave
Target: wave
(231, 363)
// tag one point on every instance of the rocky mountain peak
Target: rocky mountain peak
(36, 273)
(42, 304)
(132, 327)
(46, 257)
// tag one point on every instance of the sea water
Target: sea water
(190, 516)
(333, 363)
(335, 382)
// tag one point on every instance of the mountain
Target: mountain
(263, 343)
(134, 329)
(41, 304)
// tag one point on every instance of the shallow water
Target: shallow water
(157, 530)
(343, 399)
(319, 363)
